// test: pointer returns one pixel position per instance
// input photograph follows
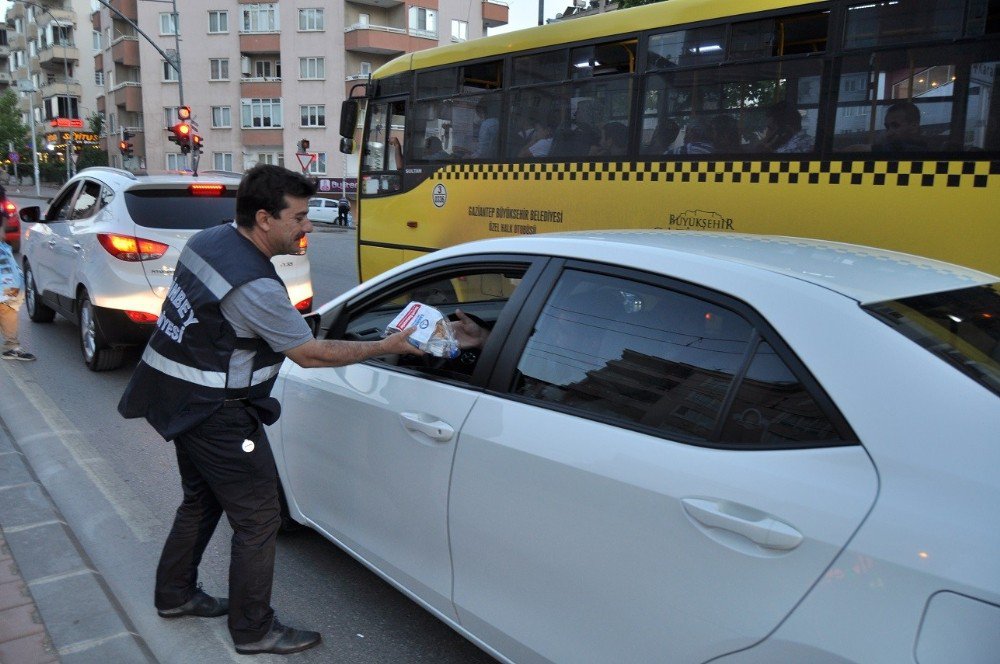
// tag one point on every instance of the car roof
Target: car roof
(127, 179)
(861, 273)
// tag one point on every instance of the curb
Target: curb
(61, 609)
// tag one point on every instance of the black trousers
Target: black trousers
(222, 472)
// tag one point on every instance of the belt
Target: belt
(236, 403)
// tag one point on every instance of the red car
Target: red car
(11, 224)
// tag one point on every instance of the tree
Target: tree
(12, 130)
(627, 4)
(95, 122)
(91, 155)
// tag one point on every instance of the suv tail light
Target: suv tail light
(305, 305)
(207, 189)
(131, 249)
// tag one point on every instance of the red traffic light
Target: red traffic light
(183, 130)
(184, 112)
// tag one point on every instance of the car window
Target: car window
(180, 208)
(315, 202)
(88, 200)
(480, 293)
(663, 361)
(59, 209)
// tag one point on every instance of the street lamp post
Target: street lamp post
(27, 86)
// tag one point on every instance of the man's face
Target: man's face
(290, 226)
(898, 127)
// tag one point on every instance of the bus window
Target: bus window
(681, 48)
(871, 24)
(602, 59)
(549, 67)
(783, 35)
(913, 101)
(431, 130)
(384, 148)
(728, 109)
(482, 77)
(437, 83)
(475, 125)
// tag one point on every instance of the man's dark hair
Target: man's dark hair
(264, 187)
(905, 110)
(785, 115)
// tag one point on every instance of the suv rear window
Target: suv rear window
(179, 209)
(961, 326)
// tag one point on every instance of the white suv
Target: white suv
(104, 252)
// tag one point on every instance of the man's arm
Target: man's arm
(337, 352)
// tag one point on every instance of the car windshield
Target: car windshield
(179, 208)
(315, 202)
(960, 326)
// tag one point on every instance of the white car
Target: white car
(323, 211)
(103, 254)
(673, 447)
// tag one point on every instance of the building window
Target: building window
(99, 78)
(313, 115)
(175, 162)
(272, 158)
(169, 73)
(96, 36)
(221, 117)
(267, 69)
(222, 161)
(260, 18)
(168, 24)
(423, 20)
(312, 68)
(311, 20)
(318, 165)
(218, 69)
(260, 113)
(459, 30)
(218, 21)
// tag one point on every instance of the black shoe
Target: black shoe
(201, 604)
(280, 640)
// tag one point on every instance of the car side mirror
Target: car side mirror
(31, 214)
(347, 145)
(313, 320)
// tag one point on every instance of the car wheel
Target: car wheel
(97, 355)
(38, 312)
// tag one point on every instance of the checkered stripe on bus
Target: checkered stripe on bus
(898, 173)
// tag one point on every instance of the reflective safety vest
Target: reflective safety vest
(183, 376)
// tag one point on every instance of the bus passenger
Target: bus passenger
(726, 134)
(902, 129)
(784, 132)
(489, 132)
(663, 137)
(434, 149)
(395, 156)
(613, 141)
(541, 139)
(697, 138)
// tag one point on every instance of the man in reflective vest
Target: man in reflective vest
(204, 382)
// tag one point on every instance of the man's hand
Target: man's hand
(12, 292)
(398, 343)
(467, 332)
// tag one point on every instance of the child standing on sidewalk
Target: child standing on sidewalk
(11, 298)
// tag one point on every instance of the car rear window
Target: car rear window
(179, 208)
(960, 326)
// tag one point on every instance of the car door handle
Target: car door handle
(428, 425)
(77, 247)
(51, 243)
(760, 529)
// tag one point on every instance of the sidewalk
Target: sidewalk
(46, 191)
(54, 606)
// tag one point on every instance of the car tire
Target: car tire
(38, 312)
(97, 354)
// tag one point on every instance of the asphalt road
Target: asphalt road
(119, 488)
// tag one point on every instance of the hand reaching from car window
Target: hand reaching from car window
(468, 333)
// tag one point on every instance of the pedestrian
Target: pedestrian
(343, 207)
(11, 297)
(204, 382)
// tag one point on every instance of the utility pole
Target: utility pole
(27, 86)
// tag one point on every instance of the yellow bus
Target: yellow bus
(861, 121)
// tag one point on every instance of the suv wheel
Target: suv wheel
(37, 310)
(96, 353)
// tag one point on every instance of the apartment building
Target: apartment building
(260, 77)
(41, 43)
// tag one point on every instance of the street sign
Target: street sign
(14, 157)
(305, 160)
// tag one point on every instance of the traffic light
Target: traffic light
(181, 135)
(197, 142)
(125, 145)
(304, 145)
(183, 113)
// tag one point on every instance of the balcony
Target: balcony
(125, 51)
(57, 56)
(259, 87)
(129, 96)
(54, 15)
(260, 42)
(130, 8)
(101, 106)
(17, 41)
(4, 51)
(495, 13)
(377, 39)
(6, 78)
(384, 4)
(262, 137)
(99, 62)
(62, 89)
